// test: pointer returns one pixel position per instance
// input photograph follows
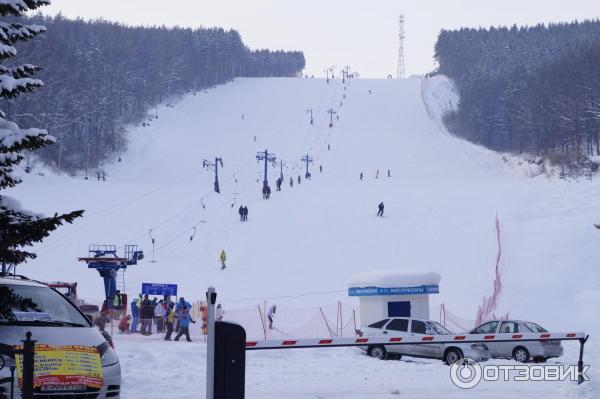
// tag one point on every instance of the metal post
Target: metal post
(28, 366)
(582, 342)
(217, 190)
(281, 170)
(211, 298)
(265, 180)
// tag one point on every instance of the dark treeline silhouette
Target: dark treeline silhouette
(100, 76)
(531, 89)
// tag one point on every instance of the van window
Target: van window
(398, 325)
(379, 324)
(22, 304)
(418, 327)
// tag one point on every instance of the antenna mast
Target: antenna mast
(400, 74)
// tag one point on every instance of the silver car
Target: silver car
(29, 305)
(539, 351)
(403, 326)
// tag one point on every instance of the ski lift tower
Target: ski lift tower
(105, 260)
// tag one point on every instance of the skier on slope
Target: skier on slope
(380, 207)
(223, 258)
(245, 215)
(389, 173)
(241, 212)
(377, 174)
(299, 179)
(361, 175)
(271, 315)
(291, 182)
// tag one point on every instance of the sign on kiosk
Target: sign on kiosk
(159, 289)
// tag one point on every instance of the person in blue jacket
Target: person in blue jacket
(135, 315)
(184, 326)
(180, 308)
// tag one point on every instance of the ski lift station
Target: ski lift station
(393, 293)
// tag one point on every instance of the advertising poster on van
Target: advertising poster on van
(59, 368)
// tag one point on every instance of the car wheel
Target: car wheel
(452, 355)
(378, 352)
(521, 354)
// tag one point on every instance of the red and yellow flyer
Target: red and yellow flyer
(64, 367)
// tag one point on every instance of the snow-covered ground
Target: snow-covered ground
(440, 206)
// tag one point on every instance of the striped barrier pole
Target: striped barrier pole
(426, 339)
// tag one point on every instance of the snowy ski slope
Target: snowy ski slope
(441, 203)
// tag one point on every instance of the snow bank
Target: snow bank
(440, 96)
(394, 278)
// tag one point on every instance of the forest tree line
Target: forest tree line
(100, 76)
(529, 89)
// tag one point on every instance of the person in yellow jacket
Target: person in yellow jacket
(223, 259)
(170, 320)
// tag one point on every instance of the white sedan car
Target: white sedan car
(539, 351)
(404, 326)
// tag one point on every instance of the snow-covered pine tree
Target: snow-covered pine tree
(18, 227)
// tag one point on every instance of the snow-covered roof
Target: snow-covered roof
(393, 278)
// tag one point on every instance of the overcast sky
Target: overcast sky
(360, 33)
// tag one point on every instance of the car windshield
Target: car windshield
(535, 328)
(439, 329)
(32, 305)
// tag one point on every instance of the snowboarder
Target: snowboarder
(291, 182)
(223, 258)
(380, 207)
(241, 212)
(361, 175)
(219, 313)
(271, 315)
(184, 326)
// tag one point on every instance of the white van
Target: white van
(27, 305)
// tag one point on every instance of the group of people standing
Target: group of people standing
(166, 314)
(243, 211)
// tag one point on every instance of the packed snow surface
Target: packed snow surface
(394, 278)
(301, 247)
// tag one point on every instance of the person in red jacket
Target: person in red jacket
(124, 324)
